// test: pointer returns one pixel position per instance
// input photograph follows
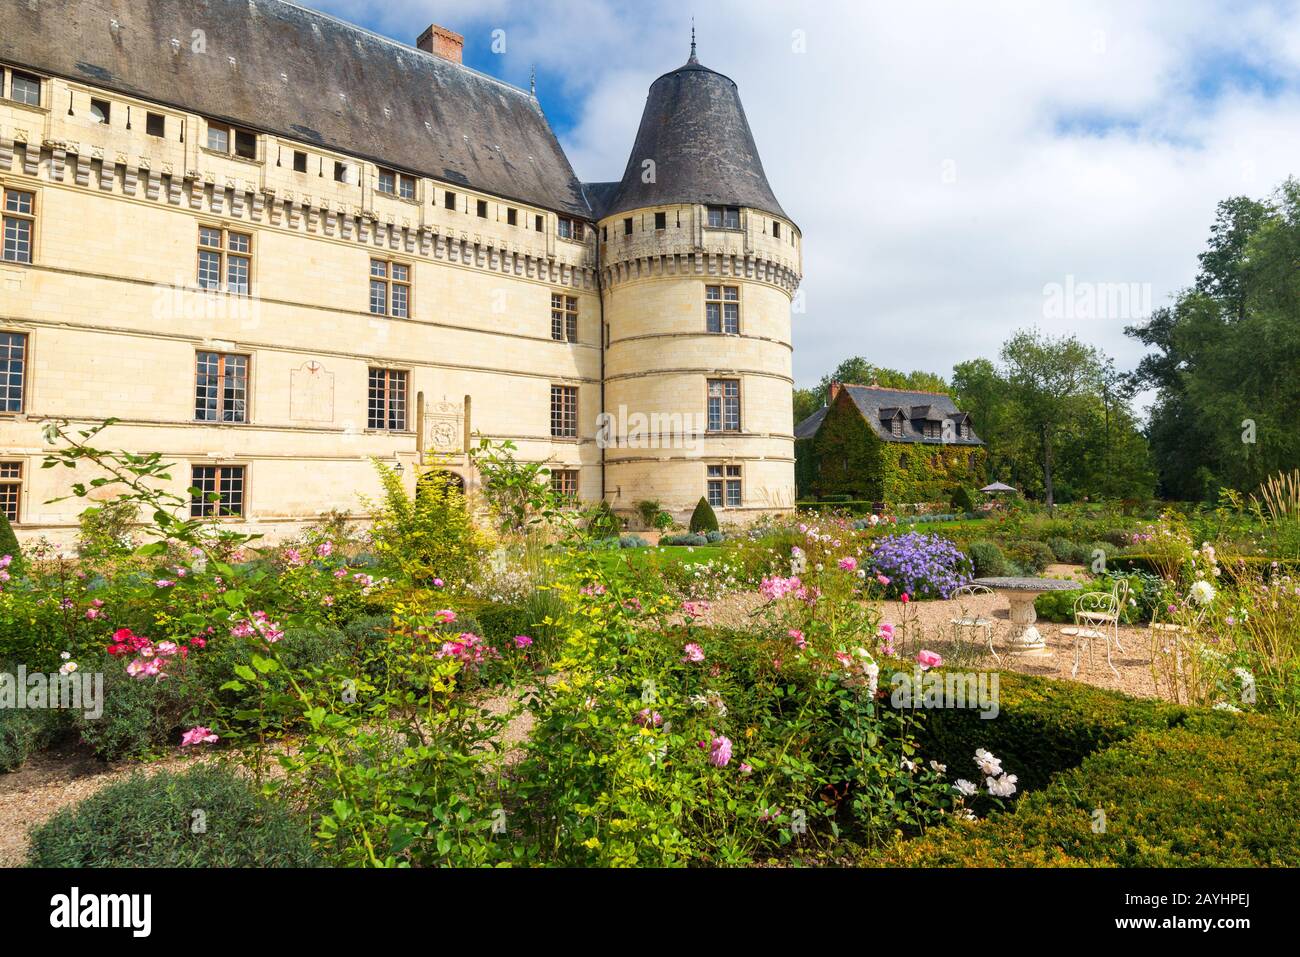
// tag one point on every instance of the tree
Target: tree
(1050, 380)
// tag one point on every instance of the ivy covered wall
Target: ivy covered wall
(847, 457)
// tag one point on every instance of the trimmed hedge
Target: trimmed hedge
(203, 817)
(1044, 726)
(1218, 791)
(703, 519)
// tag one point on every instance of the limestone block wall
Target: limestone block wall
(660, 357)
(113, 315)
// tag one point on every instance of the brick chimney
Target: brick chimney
(442, 42)
(836, 386)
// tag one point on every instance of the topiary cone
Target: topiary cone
(703, 519)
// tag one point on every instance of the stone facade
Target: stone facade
(112, 319)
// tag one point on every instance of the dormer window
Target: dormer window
(24, 88)
(896, 427)
(963, 429)
(724, 217)
(570, 228)
(221, 138)
(396, 184)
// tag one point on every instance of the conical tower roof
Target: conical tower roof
(694, 128)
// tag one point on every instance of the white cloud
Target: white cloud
(856, 134)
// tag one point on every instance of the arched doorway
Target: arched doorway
(439, 481)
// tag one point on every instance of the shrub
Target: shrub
(1033, 557)
(632, 541)
(714, 537)
(987, 559)
(691, 539)
(923, 566)
(1216, 792)
(962, 499)
(703, 519)
(203, 817)
(105, 530)
(426, 536)
(138, 717)
(9, 546)
(1063, 550)
(663, 521)
(23, 733)
(649, 509)
(603, 523)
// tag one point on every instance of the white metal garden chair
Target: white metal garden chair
(1104, 619)
(971, 623)
(1091, 609)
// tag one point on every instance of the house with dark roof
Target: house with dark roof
(877, 444)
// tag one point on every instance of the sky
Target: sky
(959, 170)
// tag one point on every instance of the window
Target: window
(299, 161)
(390, 289)
(223, 252)
(570, 228)
(220, 138)
(221, 388)
(724, 486)
(722, 309)
(564, 411)
(387, 409)
(512, 217)
(564, 483)
(155, 124)
(930, 430)
(540, 224)
(724, 405)
(449, 200)
(13, 370)
(19, 224)
(564, 317)
(246, 144)
(896, 427)
(724, 217)
(604, 234)
(482, 209)
(100, 110)
(776, 229)
(216, 490)
(627, 226)
(24, 88)
(11, 489)
(396, 184)
(661, 220)
(340, 172)
(964, 429)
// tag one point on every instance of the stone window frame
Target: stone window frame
(722, 301)
(576, 231)
(226, 256)
(218, 473)
(391, 284)
(564, 317)
(724, 478)
(13, 213)
(401, 185)
(11, 489)
(564, 483)
(389, 401)
(222, 380)
(564, 411)
(723, 212)
(8, 75)
(723, 405)
(232, 147)
(23, 346)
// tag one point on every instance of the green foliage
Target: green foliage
(518, 493)
(963, 501)
(23, 733)
(139, 716)
(203, 817)
(425, 536)
(703, 519)
(603, 523)
(1218, 791)
(1033, 557)
(1224, 355)
(9, 546)
(105, 530)
(988, 559)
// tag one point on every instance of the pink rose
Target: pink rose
(198, 735)
(694, 653)
(720, 752)
(928, 659)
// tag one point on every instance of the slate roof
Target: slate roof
(694, 128)
(878, 404)
(481, 132)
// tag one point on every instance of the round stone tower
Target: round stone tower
(699, 266)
